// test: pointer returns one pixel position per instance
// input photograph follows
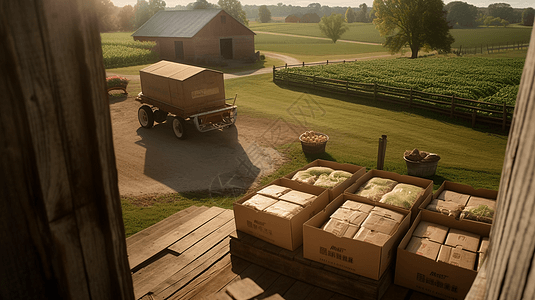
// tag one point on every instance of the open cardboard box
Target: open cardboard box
(426, 184)
(285, 233)
(351, 255)
(459, 188)
(431, 277)
(357, 172)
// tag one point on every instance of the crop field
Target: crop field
(120, 50)
(305, 49)
(484, 79)
(366, 32)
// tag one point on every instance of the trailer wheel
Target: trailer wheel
(160, 116)
(179, 128)
(145, 116)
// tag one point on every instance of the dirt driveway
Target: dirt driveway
(153, 161)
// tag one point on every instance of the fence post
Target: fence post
(303, 64)
(452, 106)
(410, 99)
(504, 116)
(474, 115)
(327, 62)
(347, 87)
(314, 81)
(375, 91)
(344, 61)
(273, 73)
(381, 152)
(286, 65)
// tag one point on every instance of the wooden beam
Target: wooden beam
(510, 272)
(61, 222)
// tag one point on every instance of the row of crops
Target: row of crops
(120, 52)
(494, 80)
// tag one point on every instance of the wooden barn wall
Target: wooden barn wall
(61, 224)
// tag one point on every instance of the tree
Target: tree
(362, 15)
(416, 23)
(528, 15)
(126, 18)
(155, 6)
(461, 13)
(501, 10)
(264, 14)
(311, 18)
(234, 8)
(200, 4)
(104, 10)
(350, 15)
(142, 13)
(333, 26)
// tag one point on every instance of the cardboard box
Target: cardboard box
(423, 247)
(457, 256)
(285, 233)
(189, 88)
(351, 255)
(426, 184)
(460, 238)
(459, 188)
(482, 252)
(357, 172)
(433, 232)
(435, 278)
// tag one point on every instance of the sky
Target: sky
(332, 3)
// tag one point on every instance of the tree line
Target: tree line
(458, 14)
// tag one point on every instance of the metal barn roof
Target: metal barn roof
(176, 23)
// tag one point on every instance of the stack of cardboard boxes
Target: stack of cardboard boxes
(438, 250)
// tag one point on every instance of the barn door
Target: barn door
(226, 48)
(179, 50)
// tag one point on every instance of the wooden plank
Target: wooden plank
(220, 279)
(218, 296)
(209, 273)
(319, 294)
(166, 224)
(199, 233)
(154, 274)
(280, 286)
(274, 297)
(244, 289)
(396, 292)
(327, 278)
(267, 278)
(509, 264)
(140, 254)
(181, 278)
(298, 291)
(64, 236)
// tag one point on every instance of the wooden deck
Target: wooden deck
(187, 256)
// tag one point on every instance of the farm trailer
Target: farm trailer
(189, 93)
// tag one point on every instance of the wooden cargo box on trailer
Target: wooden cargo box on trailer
(191, 89)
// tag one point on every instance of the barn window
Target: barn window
(223, 19)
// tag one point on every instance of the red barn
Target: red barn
(197, 35)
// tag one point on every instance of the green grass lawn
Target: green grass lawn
(366, 32)
(469, 156)
(308, 50)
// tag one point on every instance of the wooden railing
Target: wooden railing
(452, 106)
(490, 48)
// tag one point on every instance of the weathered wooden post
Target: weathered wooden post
(452, 110)
(61, 224)
(273, 73)
(381, 153)
(508, 270)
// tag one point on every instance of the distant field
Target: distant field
(120, 50)
(493, 80)
(306, 49)
(366, 32)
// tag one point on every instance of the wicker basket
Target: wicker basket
(313, 148)
(421, 169)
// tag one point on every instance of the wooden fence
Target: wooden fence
(490, 48)
(473, 110)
